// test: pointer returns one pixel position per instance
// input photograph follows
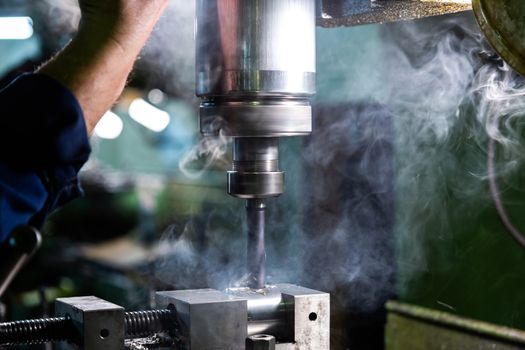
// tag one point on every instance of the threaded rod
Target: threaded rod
(146, 323)
(30, 332)
(40, 331)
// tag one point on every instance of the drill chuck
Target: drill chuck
(255, 172)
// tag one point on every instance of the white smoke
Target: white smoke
(57, 17)
(394, 174)
(450, 95)
(210, 151)
(169, 54)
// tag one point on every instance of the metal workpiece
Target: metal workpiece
(260, 342)
(207, 318)
(337, 13)
(298, 318)
(262, 47)
(267, 312)
(95, 323)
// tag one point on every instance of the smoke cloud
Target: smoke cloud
(376, 174)
(451, 94)
(169, 55)
(210, 151)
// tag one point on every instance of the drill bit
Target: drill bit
(256, 255)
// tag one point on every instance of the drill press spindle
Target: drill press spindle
(256, 256)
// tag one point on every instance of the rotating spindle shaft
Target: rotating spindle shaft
(256, 255)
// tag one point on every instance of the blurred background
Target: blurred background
(388, 199)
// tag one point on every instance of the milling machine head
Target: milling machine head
(255, 75)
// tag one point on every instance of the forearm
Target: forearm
(96, 81)
(97, 62)
(46, 143)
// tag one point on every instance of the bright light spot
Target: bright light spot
(148, 115)
(156, 96)
(109, 127)
(16, 28)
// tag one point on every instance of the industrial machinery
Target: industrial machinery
(255, 74)
(282, 317)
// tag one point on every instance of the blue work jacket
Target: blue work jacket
(43, 145)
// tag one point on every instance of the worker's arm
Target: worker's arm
(96, 64)
(45, 118)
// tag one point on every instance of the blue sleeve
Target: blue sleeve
(43, 145)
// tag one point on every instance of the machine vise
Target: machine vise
(278, 317)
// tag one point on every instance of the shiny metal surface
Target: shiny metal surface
(255, 172)
(208, 318)
(98, 324)
(255, 72)
(298, 317)
(267, 312)
(262, 83)
(311, 318)
(285, 311)
(262, 46)
(255, 185)
(260, 342)
(256, 249)
(504, 26)
(337, 13)
(256, 154)
(266, 118)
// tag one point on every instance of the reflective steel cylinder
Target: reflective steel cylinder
(255, 71)
(267, 312)
(255, 172)
(255, 66)
(264, 47)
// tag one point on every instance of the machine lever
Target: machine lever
(15, 252)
